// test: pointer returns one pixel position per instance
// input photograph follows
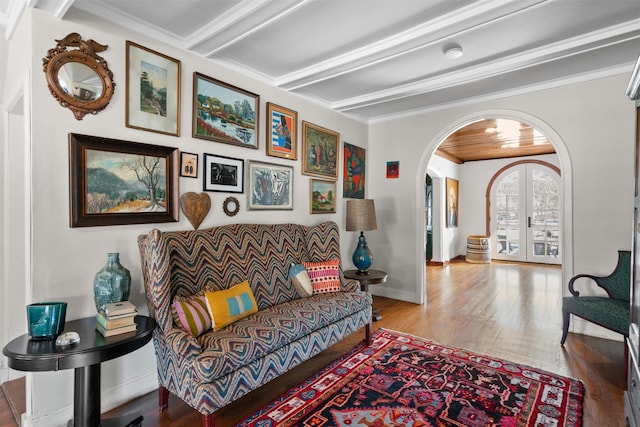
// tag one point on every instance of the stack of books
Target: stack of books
(117, 318)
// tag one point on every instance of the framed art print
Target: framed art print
(320, 151)
(225, 174)
(224, 113)
(117, 182)
(452, 202)
(153, 91)
(188, 165)
(322, 196)
(282, 132)
(353, 171)
(393, 169)
(271, 186)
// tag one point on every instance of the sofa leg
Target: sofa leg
(163, 399)
(367, 332)
(208, 420)
(566, 316)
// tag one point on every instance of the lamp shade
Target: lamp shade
(361, 215)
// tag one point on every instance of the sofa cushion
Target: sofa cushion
(191, 314)
(324, 275)
(231, 304)
(267, 330)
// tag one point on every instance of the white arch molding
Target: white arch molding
(566, 177)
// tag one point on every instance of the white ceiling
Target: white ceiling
(373, 59)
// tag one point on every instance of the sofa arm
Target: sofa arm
(182, 343)
(350, 285)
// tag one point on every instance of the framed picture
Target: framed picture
(393, 169)
(282, 132)
(224, 113)
(320, 151)
(271, 186)
(225, 174)
(322, 196)
(117, 182)
(452, 202)
(153, 91)
(188, 165)
(353, 171)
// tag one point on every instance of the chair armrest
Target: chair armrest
(574, 278)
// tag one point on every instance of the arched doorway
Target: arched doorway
(564, 164)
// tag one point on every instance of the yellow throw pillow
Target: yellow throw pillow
(231, 304)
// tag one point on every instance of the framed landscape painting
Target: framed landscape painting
(322, 196)
(353, 171)
(320, 151)
(282, 132)
(271, 186)
(224, 113)
(153, 91)
(117, 182)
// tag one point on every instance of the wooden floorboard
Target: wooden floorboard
(511, 311)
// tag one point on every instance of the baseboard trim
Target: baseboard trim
(112, 398)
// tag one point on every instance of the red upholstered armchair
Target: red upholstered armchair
(611, 311)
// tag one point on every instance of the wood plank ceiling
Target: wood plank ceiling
(494, 139)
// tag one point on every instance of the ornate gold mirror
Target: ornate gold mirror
(77, 76)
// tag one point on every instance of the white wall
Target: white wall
(594, 124)
(65, 259)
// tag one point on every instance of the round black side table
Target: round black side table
(373, 277)
(85, 357)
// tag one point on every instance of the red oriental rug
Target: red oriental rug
(403, 380)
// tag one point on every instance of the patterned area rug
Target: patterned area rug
(402, 380)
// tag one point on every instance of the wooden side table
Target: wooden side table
(373, 277)
(25, 354)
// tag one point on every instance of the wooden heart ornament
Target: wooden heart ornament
(195, 207)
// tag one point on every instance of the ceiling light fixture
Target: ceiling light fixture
(453, 52)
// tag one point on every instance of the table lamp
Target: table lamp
(361, 216)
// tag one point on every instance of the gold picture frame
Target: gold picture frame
(320, 151)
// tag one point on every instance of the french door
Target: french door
(525, 214)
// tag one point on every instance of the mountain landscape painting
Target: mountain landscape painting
(125, 183)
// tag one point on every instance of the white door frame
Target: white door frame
(567, 188)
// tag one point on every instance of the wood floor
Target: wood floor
(511, 311)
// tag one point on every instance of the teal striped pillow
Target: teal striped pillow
(191, 314)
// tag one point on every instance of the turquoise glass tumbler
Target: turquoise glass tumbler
(46, 319)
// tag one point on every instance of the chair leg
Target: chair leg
(566, 316)
(208, 420)
(367, 332)
(163, 399)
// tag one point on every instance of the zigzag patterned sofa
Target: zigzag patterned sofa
(216, 368)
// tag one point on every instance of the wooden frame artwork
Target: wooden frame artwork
(353, 171)
(224, 174)
(224, 113)
(320, 151)
(451, 189)
(117, 182)
(271, 186)
(322, 196)
(282, 132)
(188, 165)
(153, 91)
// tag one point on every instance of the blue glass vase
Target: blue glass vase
(112, 283)
(362, 257)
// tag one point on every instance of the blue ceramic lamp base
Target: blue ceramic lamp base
(362, 257)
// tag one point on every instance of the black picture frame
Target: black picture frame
(222, 174)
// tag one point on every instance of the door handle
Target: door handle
(529, 221)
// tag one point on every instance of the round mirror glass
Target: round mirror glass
(80, 81)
